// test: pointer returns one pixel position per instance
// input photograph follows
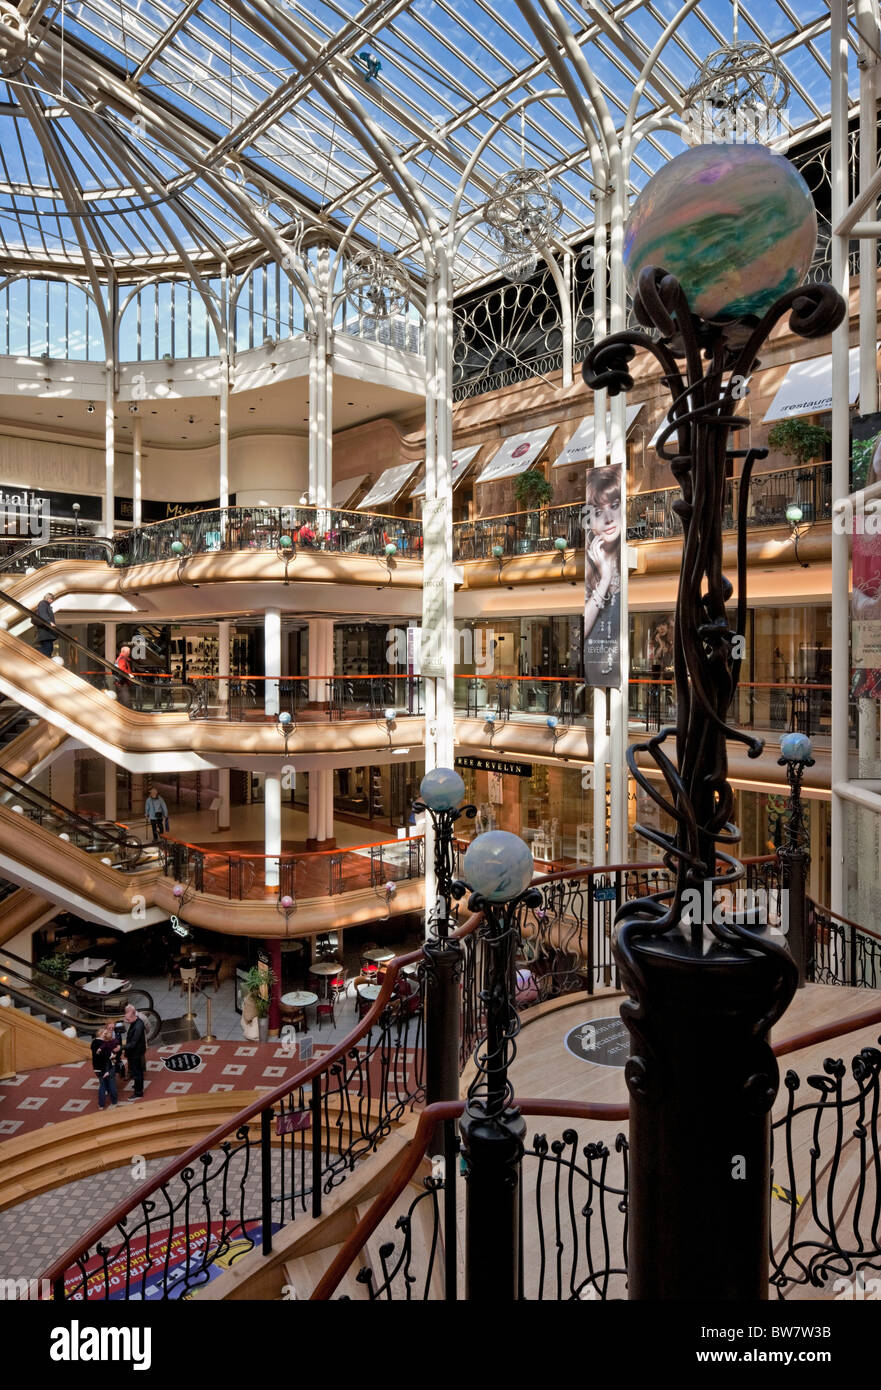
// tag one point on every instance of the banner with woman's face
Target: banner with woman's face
(603, 530)
(866, 562)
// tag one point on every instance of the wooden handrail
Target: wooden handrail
(837, 917)
(303, 1077)
(429, 1119)
(840, 1029)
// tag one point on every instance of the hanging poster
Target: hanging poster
(865, 532)
(602, 577)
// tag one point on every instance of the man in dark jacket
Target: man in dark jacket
(45, 638)
(135, 1049)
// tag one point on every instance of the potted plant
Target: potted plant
(798, 439)
(259, 983)
(56, 966)
(532, 489)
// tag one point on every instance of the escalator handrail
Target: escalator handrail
(101, 542)
(68, 1006)
(95, 829)
(190, 693)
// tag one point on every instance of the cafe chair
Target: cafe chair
(325, 1008)
(295, 1016)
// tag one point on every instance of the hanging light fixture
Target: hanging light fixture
(376, 284)
(739, 92)
(522, 214)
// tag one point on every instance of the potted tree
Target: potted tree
(53, 971)
(799, 440)
(259, 984)
(531, 491)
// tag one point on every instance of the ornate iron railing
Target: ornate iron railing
(650, 515)
(841, 952)
(826, 1181)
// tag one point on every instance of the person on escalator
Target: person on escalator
(156, 813)
(44, 637)
(121, 673)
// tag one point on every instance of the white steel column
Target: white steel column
(314, 827)
(109, 790)
(271, 658)
(109, 454)
(840, 459)
(322, 417)
(870, 37)
(137, 452)
(223, 644)
(223, 411)
(600, 739)
(272, 826)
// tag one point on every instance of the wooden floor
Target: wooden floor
(544, 1068)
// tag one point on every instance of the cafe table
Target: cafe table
(299, 999)
(370, 992)
(87, 966)
(378, 954)
(105, 984)
(328, 969)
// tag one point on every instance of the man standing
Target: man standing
(156, 813)
(45, 638)
(135, 1049)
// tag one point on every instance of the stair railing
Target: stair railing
(331, 1112)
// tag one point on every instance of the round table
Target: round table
(299, 999)
(378, 954)
(411, 971)
(327, 968)
(370, 992)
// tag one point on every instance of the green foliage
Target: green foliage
(258, 978)
(56, 966)
(532, 489)
(798, 439)
(861, 451)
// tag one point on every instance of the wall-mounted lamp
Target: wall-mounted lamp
(286, 905)
(133, 408)
(553, 724)
(389, 715)
(489, 724)
(285, 552)
(286, 726)
(794, 516)
(560, 547)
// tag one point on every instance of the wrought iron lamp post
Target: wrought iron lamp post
(704, 988)
(795, 757)
(498, 867)
(442, 793)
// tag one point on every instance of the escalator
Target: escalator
(48, 999)
(107, 838)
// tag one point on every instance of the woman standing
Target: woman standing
(105, 1055)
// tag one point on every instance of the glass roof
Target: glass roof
(138, 133)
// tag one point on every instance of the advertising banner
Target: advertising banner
(602, 577)
(865, 530)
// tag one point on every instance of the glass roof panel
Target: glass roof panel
(255, 89)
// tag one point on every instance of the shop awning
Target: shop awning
(388, 486)
(462, 461)
(516, 454)
(342, 492)
(807, 387)
(580, 448)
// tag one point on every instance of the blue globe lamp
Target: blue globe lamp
(498, 866)
(442, 789)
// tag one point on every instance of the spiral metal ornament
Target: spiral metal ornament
(376, 284)
(706, 389)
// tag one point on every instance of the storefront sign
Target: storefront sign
(17, 500)
(496, 765)
(123, 508)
